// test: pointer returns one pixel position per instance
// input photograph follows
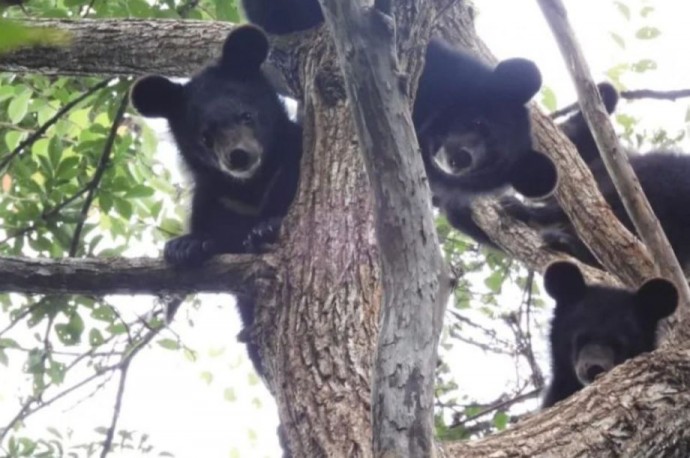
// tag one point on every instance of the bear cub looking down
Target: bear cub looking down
(475, 134)
(597, 327)
(241, 149)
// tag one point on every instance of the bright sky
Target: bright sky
(169, 397)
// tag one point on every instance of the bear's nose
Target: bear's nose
(594, 370)
(240, 159)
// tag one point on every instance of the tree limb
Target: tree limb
(637, 409)
(95, 276)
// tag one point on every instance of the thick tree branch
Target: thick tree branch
(227, 273)
(614, 157)
(415, 283)
(637, 409)
(97, 48)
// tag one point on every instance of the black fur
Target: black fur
(240, 147)
(576, 129)
(664, 180)
(597, 327)
(475, 116)
(283, 16)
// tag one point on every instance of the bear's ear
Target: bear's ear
(154, 96)
(534, 176)
(609, 95)
(656, 299)
(516, 80)
(564, 282)
(244, 50)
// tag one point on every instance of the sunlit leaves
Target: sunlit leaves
(647, 33)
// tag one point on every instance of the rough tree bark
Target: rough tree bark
(415, 282)
(317, 320)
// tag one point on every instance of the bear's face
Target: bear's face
(224, 117)
(598, 327)
(481, 141)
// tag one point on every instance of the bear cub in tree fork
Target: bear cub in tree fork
(241, 149)
(597, 327)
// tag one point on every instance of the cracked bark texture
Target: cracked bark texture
(317, 321)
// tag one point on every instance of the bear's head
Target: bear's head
(483, 139)
(223, 119)
(598, 327)
(576, 129)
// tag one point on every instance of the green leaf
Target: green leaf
(644, 65)
(104, 313)
(56, 372)
(123, 207)
(95, 337)
(169, 344)
(623, 9)
(19, 106)
(495, 281)
(139, 191)
(70, 333)
(207, 377)
(226, 11)
(618, 39)
(647, 33)
(548, 98)
(646, 11)
(229, 395)
(501, 420)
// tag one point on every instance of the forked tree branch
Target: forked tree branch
(614, 157)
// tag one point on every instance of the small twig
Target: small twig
(21, 316)
(26, 409)
(100, 170)
(634, 94)
(116, 411)
(41, 130)
(525, 344)
(497, 406)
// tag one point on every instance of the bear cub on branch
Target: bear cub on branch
(241, 149)
(237, 141)
(475, 134)
(597, 327)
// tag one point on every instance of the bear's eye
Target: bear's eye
(247, 118)
(207, 138)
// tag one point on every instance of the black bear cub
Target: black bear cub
(283, 16)
(474, 131)
(241, 149)
(577, 131)
(663, 176)
(597, 327)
